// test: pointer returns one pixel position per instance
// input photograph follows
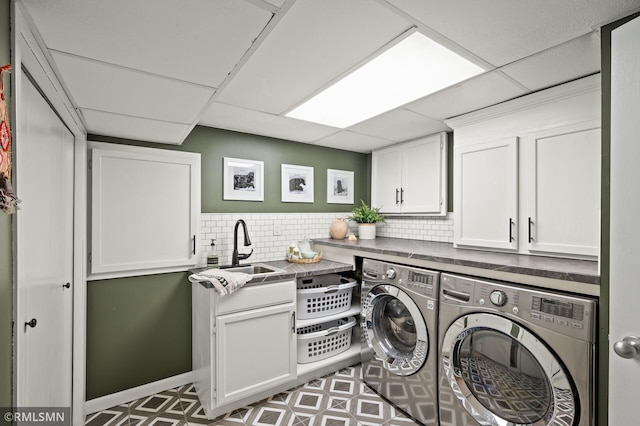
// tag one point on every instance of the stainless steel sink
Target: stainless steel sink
(255, 269)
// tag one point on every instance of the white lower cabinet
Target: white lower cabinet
(256, 351)
(245, 345)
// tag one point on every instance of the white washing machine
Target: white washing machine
(513, 355)
(399, 336)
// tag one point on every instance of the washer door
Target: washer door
(504, 375)
(395, 330)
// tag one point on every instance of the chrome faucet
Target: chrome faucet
(236, 258)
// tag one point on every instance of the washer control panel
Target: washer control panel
(422, 281)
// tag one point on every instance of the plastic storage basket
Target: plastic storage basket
(323, 295)
(320, 341)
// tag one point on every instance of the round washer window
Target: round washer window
(503, 372)
(395, 329)
(504, 376)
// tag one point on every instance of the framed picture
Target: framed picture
(297, 184)
(339, 187)
(243, 179)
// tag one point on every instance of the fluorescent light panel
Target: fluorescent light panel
(412, 69)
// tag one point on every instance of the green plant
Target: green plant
(366, 214)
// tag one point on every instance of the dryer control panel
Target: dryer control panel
(566, 314)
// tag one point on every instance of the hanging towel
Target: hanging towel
(225, 282)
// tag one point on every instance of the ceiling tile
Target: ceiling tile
(575, 59)
(503, 31)
(196, 40)
(314, 42)
(476, 93)
(399, 125)
(353, 142)
(99, 86)
(123, 126)
(233, 118)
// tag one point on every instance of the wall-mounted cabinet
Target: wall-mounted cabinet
(145, 207)
(486, 195)
(411, 177)
(527, 173)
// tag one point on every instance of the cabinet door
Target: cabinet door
(486, 195)
(256, 351)
(386, 179)
(564, 191)
(145, 206)
(424, 176)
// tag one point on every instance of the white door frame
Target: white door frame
(27, 50)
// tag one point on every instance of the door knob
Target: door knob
(31, 323)
(67, 285)
(629, 347)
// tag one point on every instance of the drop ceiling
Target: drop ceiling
(154, 69)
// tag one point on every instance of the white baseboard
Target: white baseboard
(111, 400)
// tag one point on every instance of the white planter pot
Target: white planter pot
(367, 231)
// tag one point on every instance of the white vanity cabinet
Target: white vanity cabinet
(527, 173)
(244, 343)
(411, 177)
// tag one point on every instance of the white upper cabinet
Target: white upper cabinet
(563, 188)
(527, 173)
(145, 206)
(486, 194)
(411, 177)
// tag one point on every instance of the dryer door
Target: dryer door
(505, 375)
(395, 329)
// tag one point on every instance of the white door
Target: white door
(44, 182)
(563, 215)
(624, 374)
(422, 176)
(486, 195)
(247, 342)
(386, 176)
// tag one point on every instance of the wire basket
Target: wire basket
(319, 341)
(323, 295)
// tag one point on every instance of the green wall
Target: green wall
(139, 328)
(215, 144)
(6, 263)
(138, 331)
(603, 336)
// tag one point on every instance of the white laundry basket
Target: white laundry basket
(323, 295)
(319, 341)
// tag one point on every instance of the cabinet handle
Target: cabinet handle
(401, 195)
(194, 244)
(511, 229)
(530, 224)
(397, 196)
(293, 322)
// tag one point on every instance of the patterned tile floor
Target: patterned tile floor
(339, 399)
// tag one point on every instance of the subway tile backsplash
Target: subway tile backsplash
(271, 233)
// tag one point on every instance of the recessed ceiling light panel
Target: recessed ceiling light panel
(411, 69)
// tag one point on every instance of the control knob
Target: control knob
(391, 273)
(498, 298)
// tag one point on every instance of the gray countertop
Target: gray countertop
(291, 271)
(581, 271)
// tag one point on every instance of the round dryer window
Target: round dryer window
(501, 371)
(395, 330)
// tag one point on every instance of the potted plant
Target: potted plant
(366, 217)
